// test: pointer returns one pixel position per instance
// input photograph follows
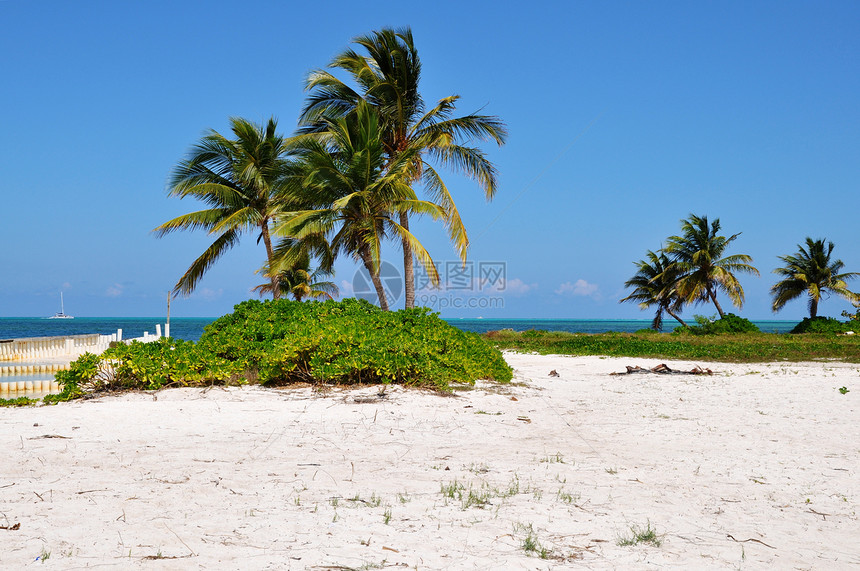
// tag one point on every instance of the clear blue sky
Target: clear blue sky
(623, 117)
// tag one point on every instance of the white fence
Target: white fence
(47, 354)
(54, 348)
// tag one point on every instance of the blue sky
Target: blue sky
(623, 118)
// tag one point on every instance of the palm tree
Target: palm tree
(655, 285)
(387, 77)
(358, 195)
(240, 180)
(301, 282)
(811, 271)
(697, 257)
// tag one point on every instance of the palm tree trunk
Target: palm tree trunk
(716, 303)
(374, 277)
(813, 308)
(408, 266)
(270, 255)
(681, 321)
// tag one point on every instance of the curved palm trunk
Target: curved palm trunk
(270, 255)
(813, 308)
(681, 321)
(374, 277)
(408, 266)
(713, 297)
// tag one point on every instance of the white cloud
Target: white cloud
(345, 289)
(578, 288)
(517, 286)
(114, 291)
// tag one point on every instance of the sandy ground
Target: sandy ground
(755, 467)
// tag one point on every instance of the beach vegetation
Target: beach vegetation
(385, 72)
(811, 271)
(350, 342)
(655, 285)
(700, 265)
(18, 401)
(824, 326)
(299, 280)
(241, 180)
(729, 323)
(736, 348)
(639, 535)
(530, 543)
(853, 316)
(357, 193)
(282, 341)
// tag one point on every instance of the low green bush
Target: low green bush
(729, 323)
(824, 326)
(278, 342)
(351, 341)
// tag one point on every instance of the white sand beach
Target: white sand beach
(754, 467)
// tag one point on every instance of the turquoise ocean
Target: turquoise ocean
(191, 328)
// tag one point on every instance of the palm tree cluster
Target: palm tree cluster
(693, 268)
(346, 182)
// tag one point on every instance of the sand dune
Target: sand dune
(756, 466)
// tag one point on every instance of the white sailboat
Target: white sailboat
(62, 313)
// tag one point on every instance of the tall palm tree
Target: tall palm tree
(240, 180)
(358, 195)
(698, 257)
(655, 285)
(388, 77)
(811, 271)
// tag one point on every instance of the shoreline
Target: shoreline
(756, 465)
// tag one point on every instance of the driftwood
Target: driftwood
(664, 369)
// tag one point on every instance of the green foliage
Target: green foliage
(738, 348)
(823, 326)
(853, 316)
(19, 401)
(534, 333)
(730, 323)
(283, 341)
(639, 535)
(351, 341)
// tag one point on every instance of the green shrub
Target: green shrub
(534, 333)
(823, 326)
(729, 323)
(284, 341)
(350, 341)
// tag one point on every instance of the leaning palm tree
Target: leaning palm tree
(240, 180)
(359, 196)
(811, 271)
(387, 77)
(697, 256)
(655, 284)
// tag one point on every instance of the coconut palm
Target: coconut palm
(240, 180)
(388, 77)
(301, 282)
(358, 195)
(655, 285)
(811, 271)
(697, 257)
